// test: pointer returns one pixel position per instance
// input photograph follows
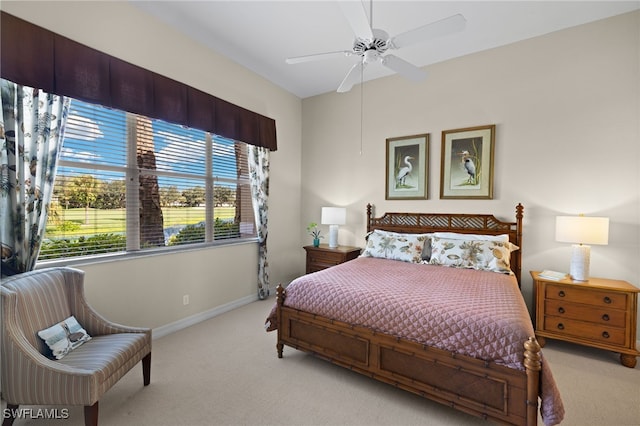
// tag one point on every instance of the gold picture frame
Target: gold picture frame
(466, 168)
(407, 164)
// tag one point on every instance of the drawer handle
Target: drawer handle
(561, 326)
(605, 334)
(607, 299)
(561, 293)
(561, 310)
(605, 317)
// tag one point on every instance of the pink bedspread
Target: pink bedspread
(475, 313)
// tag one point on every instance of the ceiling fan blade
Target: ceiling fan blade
(357, 17)
(439, 28)
(352, 77)
(318, 56)
(403, 68)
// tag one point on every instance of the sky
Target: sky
(97, 135)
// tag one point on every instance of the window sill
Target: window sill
(162, 251)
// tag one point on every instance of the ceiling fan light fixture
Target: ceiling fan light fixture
(370, 56)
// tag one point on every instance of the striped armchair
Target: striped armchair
(36, 300)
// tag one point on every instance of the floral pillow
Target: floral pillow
(472, 254)
(396, 246)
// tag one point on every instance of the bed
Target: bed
(414, 314)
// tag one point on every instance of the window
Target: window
(127, 182)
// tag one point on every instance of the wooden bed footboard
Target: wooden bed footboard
(480, 388)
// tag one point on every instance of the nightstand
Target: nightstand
(322, 257)
(600, 313)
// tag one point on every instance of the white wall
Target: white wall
(566, 107)
(147, 291)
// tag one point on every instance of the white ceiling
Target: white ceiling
(260, 35)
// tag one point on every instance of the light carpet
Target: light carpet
(225, 371)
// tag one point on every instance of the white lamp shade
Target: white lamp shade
(582, 230)
(334, 216)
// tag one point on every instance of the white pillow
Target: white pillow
(64, 337)
(492, 256)
(396, 246)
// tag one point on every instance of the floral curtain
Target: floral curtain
(259, 171)
(31, 131)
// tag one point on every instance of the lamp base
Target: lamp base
(333, 236)
(579, 266)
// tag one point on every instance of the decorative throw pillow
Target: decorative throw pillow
(64, 337)
(396, 246)
(472, 254)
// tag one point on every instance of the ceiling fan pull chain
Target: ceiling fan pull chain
(361, 106)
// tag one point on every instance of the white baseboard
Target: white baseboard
(167, 329)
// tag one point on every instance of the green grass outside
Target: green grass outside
(114, 220)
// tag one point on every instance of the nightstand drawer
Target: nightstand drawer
(598, 315)
(591, 297)
(324, 258)
(565, 326)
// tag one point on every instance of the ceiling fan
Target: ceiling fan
(371, 44)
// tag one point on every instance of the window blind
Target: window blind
(87, 212)
(129, 182)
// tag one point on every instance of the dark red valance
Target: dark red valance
(36, 57)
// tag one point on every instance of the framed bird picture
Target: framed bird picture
(407, 167)
(466, 170)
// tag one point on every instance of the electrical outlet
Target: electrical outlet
(185, 299)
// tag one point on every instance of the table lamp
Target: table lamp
(581, 230)
(333, 216)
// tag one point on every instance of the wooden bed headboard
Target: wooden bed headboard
(463, 223)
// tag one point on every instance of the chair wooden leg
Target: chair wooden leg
(8, 420)
(91, 415)
(146, 369)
